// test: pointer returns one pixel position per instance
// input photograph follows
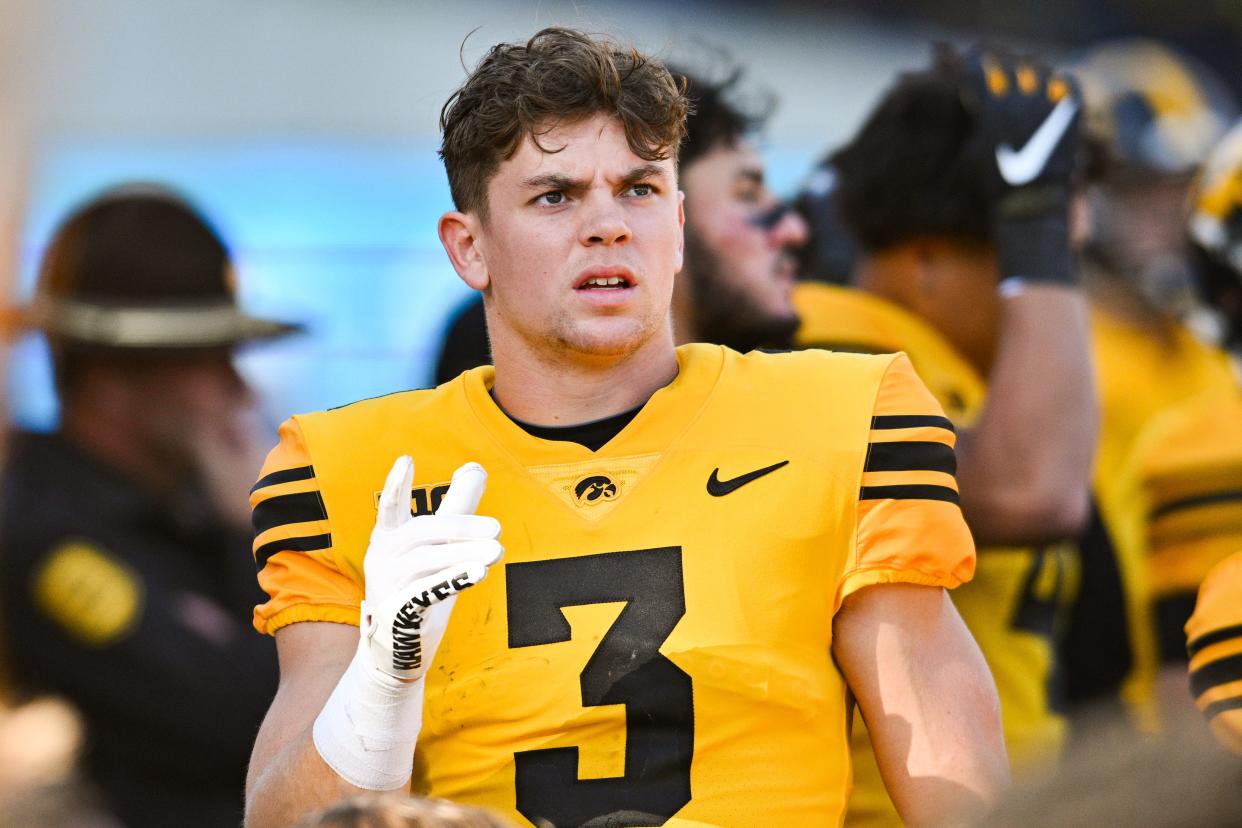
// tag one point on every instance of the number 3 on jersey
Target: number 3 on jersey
(627, 668)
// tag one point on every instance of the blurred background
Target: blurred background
(307, 130)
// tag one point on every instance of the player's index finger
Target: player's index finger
(394, 504)
(465, 491)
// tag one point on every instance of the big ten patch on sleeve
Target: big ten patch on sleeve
(91, 594)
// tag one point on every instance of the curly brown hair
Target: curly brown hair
(558, 76)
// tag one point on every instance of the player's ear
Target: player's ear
(459, 235)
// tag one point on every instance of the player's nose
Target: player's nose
(603, 221)
(790, 231)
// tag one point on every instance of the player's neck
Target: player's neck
(563, 389)
(888, 274)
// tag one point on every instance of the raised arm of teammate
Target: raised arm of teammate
(1024, 468)
(928, 699)
(348, 711)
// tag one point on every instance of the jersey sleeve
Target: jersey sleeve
(909, 527)
(1214, 643)
(293, 543)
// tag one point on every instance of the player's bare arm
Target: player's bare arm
(1025, 466)
(1024, 469)
(928, 699)
(287, 777)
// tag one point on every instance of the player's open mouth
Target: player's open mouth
(601, 282)
(605, 279)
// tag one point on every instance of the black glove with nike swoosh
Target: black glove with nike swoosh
(1028, 123)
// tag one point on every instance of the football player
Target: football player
(738, 269)
(957, 189)
(1156, 114)
(1183, 480)
(704, 552)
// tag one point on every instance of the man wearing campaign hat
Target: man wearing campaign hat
(124, 579)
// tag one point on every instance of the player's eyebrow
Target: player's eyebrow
(642, 173)
(563, 183)
(554, 181)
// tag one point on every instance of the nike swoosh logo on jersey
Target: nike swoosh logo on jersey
(719, 488)
(1021, 167)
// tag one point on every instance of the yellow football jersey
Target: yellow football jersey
(1018, 596)
(1187, 466)
(654, 647)
(1214, 643)
(1137, 377)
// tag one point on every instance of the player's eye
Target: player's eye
(749, 192)
(551, 198)
(642, 190)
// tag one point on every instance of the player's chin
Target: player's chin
(608, 336)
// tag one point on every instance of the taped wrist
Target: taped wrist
(369, 727)
(1036, 249)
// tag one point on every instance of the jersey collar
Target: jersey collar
(664, 417)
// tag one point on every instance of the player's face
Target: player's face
(581, 244)
(741, 258)
(1139, 223)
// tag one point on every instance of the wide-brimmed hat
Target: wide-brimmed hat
(140, 269)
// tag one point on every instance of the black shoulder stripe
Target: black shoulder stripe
(886, 421)
(1215, 673)
(285, 509)
(283, 476)
(908, 492)
(1216, 708)
(1198, 500)
(1214, 637)
(309, 543)
(913, 455)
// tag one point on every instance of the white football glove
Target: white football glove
(415, 566)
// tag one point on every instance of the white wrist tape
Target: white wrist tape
(369, 726)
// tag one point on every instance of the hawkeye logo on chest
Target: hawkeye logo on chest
(597, 488)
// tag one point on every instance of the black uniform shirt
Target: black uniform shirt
(137, 609)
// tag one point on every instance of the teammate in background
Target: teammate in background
(693, 576)
(1183, 480)
(121, 585)
(734, 285)
(1214, 644)
(965, 264)
(1156, 114)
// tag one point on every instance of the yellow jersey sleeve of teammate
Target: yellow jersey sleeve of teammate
(1214, 643)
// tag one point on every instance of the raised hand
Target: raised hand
(1029, 127)
(415, 566)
